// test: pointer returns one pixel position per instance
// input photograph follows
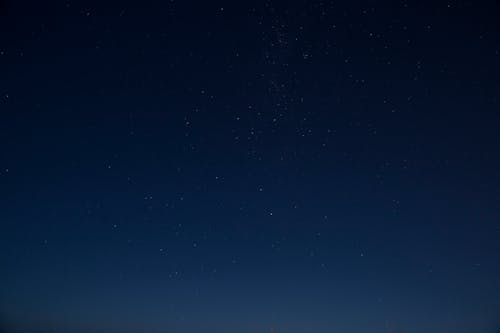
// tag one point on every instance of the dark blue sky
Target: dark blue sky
(187, 167)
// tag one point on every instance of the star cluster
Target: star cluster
(299, 166)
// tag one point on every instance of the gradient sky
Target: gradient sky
(233, 166)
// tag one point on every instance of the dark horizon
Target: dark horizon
(227, 166)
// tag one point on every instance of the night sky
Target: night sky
(249, 166)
